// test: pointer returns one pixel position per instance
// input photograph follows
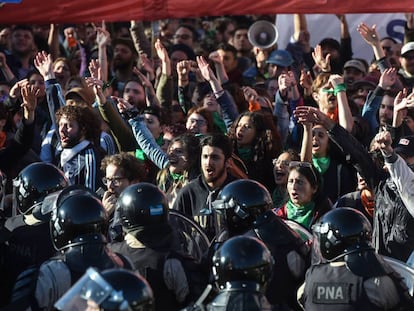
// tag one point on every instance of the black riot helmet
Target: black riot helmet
(141, 205)
(34, 183)
(110, 290)
(78, 218)
(242, 261)
(342, 231)
(241, 202)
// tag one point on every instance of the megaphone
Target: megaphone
(262, 34)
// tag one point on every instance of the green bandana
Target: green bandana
(301, 214)
(218, 121)
(177, 177)
(321, 164)
(140, 155)
(245, 154)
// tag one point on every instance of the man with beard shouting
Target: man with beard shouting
(79, 130)
(195, 199)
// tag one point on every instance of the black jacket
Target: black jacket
(393, 233)
(195, 200)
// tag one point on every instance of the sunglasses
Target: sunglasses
(329, 91)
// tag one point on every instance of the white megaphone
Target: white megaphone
(262, 34)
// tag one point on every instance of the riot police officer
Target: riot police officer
(246, 209)
(20, 234)
(350, 275)
(151, 244)
(109, 290)
(242, 268)
(78, 228)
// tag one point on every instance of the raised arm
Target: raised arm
(370, 36)
(22, 140)
(219, 66)
(401, 174)
(102, 39)
(147, 143)
(165, 85)
(348, 144)
(151, 96)
(344, 112)
(54, 93)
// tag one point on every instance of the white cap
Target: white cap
(408, 47)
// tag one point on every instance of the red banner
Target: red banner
(78, 11)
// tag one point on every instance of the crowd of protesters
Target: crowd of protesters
(194, 105)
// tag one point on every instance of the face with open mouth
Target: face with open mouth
(177, 158)
(281, 169)
(300, 189)
(327, 100)
(245, 132)
(210, 102)
(69, 132)
(196, 124)
(213, 164)
(320, 141)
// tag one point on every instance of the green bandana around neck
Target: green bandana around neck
(321, 163)
(301, 214)
(245, 153)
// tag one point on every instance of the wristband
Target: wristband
(219, 93)
(130, 113)
(341, 87)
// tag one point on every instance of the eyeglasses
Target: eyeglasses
(306, 165)
(199, 122)
(183, 36)
(116, 181)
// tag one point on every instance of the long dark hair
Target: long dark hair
(313, 176)
(265, 142)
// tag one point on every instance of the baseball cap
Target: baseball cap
(405, 146)
(86, 94)
(408, 47)
(280, 58)
(354, 63)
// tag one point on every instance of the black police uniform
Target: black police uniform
(150, 263)
(286, 247)
(335, 287)
(21, 250)
(350, 274)
(241, 297)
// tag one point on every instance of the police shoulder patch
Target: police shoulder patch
(332, 293)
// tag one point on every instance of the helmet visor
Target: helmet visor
(91, 286)
(317, 230)
(49, 202)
